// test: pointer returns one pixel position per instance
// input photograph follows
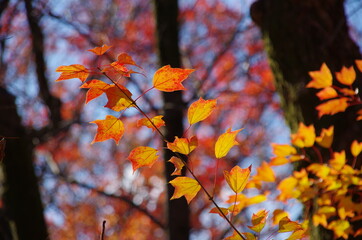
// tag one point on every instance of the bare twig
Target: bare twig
(103, 229)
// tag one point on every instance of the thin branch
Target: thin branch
(103, 229)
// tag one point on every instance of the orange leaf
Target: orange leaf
(356, 148)
(283, 150)
(178, 165)
(124, 58)
(225, 142)
(320, 79)
(359, 113)
(327, 93)
(326, 138)
(359, 65)
(278, 214)
(100, 50)
(237, 178)
(109, 128)
(347, 91)
(265, 173)
(304, 137)
(286, 225)
(236, 236)
(297, 234)
(185, 186)
(338, 161)
(332, 107)
(216, 210)
(170, 79)
(183, 145)
(96, 88)
(341, 228)
(346, 76)
(119, 97)
(72, 71)
(142, 156)
(157, 121)
(258, 220)
(200, 110)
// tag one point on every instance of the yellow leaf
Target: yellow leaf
(286, 225)
(157, 121)
(72, 71)
(276, 161)
(96, 88)
(143, 156)
(327, 93)
(200, 110)
(359, 115)
(283, 150)
(338, 161)
(297, 234)
(320, 170)
(346, 76)
(265, 173)
(225, 142)
(326, 138)
(356, 148)
(237, 178)
(288, 190)
(332, 107)
(278, 214)
(119, 98)
(178, 165)
(100, 50)
(258, 220)
(320, 79)
(217, 211)
(304, 137)
(185, 186)
(183, 145)
(341, 228)
(236, 236)
(110, 128)
(170, 79)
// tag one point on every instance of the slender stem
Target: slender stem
(232, 213)
(319, 155)
(103, 229)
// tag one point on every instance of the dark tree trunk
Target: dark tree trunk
(21, 195)
(299, 36)
(167, 34)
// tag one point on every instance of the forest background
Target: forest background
(49, 163)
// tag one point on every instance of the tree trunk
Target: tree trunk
(169, 54)
(21, 195)
(299, 36)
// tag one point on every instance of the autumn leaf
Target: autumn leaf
(225, 142)
(278, 214)
(359, 65)
(326, 138)
(119, 66)
(297, 234)
(178, 165)
(286, 225)
(143, 156)
(304, 137)
(170, 79)
(185, 186)
(119, 98)
(283, 150)
(265, 173)
(258, 220)
(338, 160)
(236, 236)
(72, 71)
(217, 211)
(320, 79)
(157, 121)
(124, 58)
(183, 145)
(109, 128)
(100, 50)
(96, 88)
(332, 107)
(200, 110)
(346, 76)
(356, 148)
(327, 93)
(341, 228)
(237, 178)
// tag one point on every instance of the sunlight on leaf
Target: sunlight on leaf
(96, 88)
(100, 50)
(72, 71)
(157, 121)
(237, 178)
(109, 128)
(346, 76)
(320, 79)
(200, 110)
(143, 156)
(168, 79)
(185, 186)
(258, 220)
(119, 98)
(183, 145)
(178, 165)
(332, 107)
(356, 148)
(225, 142)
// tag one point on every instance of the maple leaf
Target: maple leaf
(185, 186)
(183, 145)
(237, 178)
(283, 150)
(338, 161)
(200, 110)
(286, 225)
(332, 107)
(157, 121)
(100, 50)
(119, 66)
(297, 234)
(326, 138)
(96, 88)
(142, 156)
(168, 79)
(327, 93)
(359, 65)
(243, 202)
(320, 79)
(304, 137)
(258, 220)
(109, 128)
(278, 214)
(225, 142)
(341, 228)
(346, 76)
(72, 71)
(217, 211)
(124, 58)
(178, 165)
(265, 173)
(119, 98)
(356, 148)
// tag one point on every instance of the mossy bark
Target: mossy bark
(299, 36)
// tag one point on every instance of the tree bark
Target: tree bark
(169, 54)
(299, 36)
